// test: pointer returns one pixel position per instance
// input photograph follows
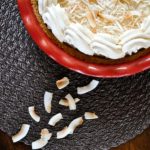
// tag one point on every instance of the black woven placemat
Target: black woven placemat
(123, 105)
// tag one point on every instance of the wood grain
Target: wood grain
(141, 142)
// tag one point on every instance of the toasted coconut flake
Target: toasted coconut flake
(70, 129)
(63, 133)
(38, 144)
(45, 134)
(91, 19)
(62, 83)
(45, 137)
(21, 134)
(47, 101)
(74, 124)
(56, 118)
(91, 86)
(33, 115)
(90, 115)
(71, 101)
(77, 100)
(64, 102)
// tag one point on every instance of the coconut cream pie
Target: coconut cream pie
(97, 31)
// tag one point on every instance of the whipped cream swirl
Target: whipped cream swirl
(79, 37)
(104, 44)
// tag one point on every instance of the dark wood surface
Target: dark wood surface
(141, 142)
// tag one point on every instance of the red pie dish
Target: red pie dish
(52, 50)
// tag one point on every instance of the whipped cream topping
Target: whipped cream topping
(104, 44)
(111, 28)
(79, 37)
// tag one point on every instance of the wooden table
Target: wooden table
(141, 142)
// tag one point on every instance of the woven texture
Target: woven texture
(123, 105)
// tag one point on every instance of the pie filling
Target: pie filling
(109, 28)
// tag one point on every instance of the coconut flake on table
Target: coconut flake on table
(70, 129)
(90, 116)
(45, 137)
(71, 102)
(63, 133)
(64, 102)
(74, 124)
(47, 101)
(77, 100)
(85, 89)
(21, 134)
(45, 134)
(62, 83)
(32, 113)
(38, 144)
(56, 118)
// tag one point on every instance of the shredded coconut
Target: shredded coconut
(97, 14)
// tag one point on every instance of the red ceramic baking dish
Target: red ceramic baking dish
(43, 41)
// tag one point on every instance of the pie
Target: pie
(97, 31)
